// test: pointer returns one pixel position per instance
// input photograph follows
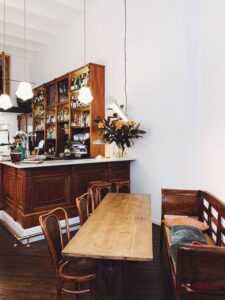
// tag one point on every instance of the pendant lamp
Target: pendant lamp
(24, 90)
(85, 95)
(5, 101)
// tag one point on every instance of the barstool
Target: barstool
(99, 189)
(120, 185)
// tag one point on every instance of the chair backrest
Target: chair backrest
(50, 224)
(94, 191)
(85, 206)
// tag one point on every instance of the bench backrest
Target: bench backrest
(201, 204)
(181, 202)
(214, 215)
(203, 267)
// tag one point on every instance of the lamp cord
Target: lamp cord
(125, 54)
(3, 56)
(84, 31)
(4, 29)
(24, 42)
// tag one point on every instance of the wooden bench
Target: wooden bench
(199, 271)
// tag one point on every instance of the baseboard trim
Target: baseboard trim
(157, 222)
(32, 234)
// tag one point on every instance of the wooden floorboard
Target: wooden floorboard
(27, 273)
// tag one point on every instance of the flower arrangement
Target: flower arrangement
(116, 130)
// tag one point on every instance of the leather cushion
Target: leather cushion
(185, 221)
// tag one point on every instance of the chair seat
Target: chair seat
(120, 181)
(79, 269)
(99, 183)
(120, 185)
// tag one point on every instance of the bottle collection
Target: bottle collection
(81, 120)
(75, 103)
(51, 133)
(58, 114)
(39, 98)
(63, 115)
(79, 81)
(39, 125)
(50, 118)
(51, 149)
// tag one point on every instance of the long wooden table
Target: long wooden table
(119, 229)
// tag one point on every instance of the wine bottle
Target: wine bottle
(72, 87)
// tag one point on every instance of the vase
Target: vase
(118, 151)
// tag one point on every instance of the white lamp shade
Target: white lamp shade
(85, 95)
(24, 91)
(5, 101)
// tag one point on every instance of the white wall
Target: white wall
(63, 54)
(212, 96)
(11, 120)
(162, 72)
(17, 73)
(161, 85)
(161, 81)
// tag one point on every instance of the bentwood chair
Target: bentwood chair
(73, 275)
(99, 189)
(85, 206)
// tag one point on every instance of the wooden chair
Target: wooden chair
(73, 275)
(120, 185)
(99, 189)
(85, 206)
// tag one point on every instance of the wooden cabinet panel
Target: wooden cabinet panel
(119, 170)
(27, 193)
(51, 190)
(81, 175)
(10, 191)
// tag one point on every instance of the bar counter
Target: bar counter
(27, 190)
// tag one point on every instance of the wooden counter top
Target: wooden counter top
(64, 162)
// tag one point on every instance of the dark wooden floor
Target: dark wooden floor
(27, 274)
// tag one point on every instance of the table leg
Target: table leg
(111, 280)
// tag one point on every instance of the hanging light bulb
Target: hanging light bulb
(24, 90)
(85, 95)
(5, 100)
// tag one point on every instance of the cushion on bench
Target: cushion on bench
(185, 221)
(185, 234)
(168, 238)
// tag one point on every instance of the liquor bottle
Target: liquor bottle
(77, 83)
(72, 87)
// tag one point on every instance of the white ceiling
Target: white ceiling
(44, 21)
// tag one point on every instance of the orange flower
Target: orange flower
(100, 125)
(119, 124)
(129, 122)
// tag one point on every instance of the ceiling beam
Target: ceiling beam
(11, 40)
(33, 21)
(31, 34)
(17, 51)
